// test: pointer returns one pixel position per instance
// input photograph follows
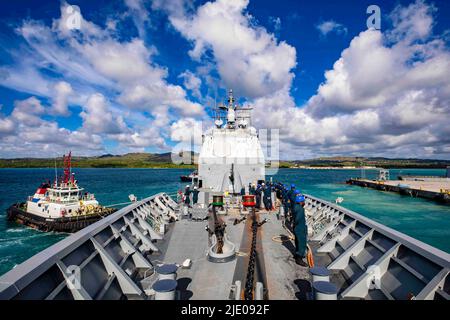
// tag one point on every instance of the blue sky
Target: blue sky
(138, 75)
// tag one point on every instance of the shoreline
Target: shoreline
(280, 168)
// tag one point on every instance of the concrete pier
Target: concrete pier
(438, 189)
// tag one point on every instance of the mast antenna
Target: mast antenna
(215, 99)
(56, 174)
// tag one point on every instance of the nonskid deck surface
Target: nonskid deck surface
(116, 258)
(204, 279)
(208, 280)
(285, 279)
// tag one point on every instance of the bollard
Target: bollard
(320, 274)
(237, 290)
(167, 271)
(165, 289)
(259, 291)
(324, 290)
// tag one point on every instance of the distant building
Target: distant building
(383, 175)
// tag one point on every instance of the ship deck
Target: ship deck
(188, 239)
(116, 257)
(208, 280)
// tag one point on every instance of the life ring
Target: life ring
(309, 256)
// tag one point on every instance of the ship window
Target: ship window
(70, 210)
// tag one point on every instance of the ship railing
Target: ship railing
(51, 261)
(88, 197)
(172, 194)
(347, 238)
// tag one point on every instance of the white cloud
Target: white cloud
(94, 63)
(276, 22)
(412, 22)
(185, 130)
(247, 57)
(387, 94)
(192, 83)
(97, 117)
(382, 97)
(176, 8)
(60, 102)
(53, 51)
(122, 62)
(25, 133)
(139, 14)
(6, 126)
(64, 28)
(147, 137)
(326, 27)
(28, 112)
(158, 94)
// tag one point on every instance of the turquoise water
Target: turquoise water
(422, 219)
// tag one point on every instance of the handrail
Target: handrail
(434, 254)
(19, 277)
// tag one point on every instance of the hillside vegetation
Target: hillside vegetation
(164, 160)
(130, 160)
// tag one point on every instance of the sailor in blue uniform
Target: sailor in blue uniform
(252, 189)
(267, 199)
(285, 201)
(258, 196)
(292, 200)
(187, 193)
(300, 230)
(289, 197)
(195, 193)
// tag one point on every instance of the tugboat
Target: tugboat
(193, 176)
(61, 207)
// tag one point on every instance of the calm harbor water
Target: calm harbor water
(419, 218)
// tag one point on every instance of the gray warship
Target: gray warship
(223, 248)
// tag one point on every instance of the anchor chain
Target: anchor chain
(248, 289)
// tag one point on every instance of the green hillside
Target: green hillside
(164, 160)
(130, 160)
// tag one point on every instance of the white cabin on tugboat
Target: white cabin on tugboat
(64, 199)
(61, 200)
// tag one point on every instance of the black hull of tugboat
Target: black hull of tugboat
(66, 224)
